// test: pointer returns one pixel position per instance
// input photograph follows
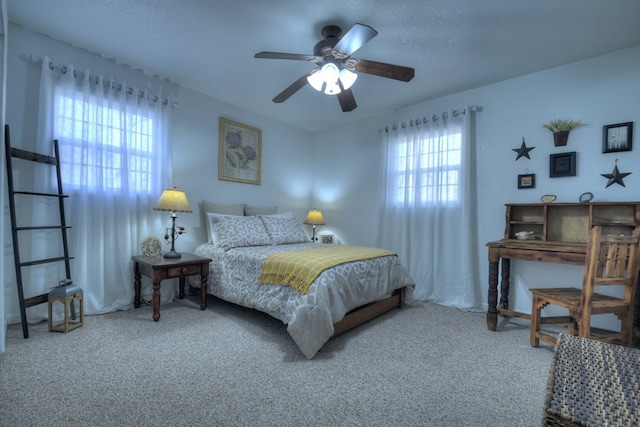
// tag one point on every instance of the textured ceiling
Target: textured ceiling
(454, 45)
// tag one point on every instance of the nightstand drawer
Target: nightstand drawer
(183, 270)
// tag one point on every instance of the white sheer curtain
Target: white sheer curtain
(115, 163)
(428, 210)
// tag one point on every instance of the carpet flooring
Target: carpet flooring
(422, 365)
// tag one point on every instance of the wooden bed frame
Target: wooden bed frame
(359, 315)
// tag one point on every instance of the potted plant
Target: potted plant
(561, 129)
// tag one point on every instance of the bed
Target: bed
(353, 284)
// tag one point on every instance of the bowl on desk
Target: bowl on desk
(525, 235)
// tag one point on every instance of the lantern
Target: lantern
(67, 294)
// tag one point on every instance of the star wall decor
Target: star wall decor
(523, 151)
(615, 177)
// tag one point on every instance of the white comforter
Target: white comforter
(233, 277)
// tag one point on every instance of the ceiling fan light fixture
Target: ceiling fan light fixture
(330, 73)
(327, 78)
(332, 89)
(315, 80)
(347, 78)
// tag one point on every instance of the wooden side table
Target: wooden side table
(160, 268)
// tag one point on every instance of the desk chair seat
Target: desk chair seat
(611, 261)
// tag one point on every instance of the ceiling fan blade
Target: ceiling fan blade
(294, 56)
(381, 69)
(357, 36)
(293, 88)
(347, 101)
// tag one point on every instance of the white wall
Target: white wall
(286, 150)
(600, 91)
(286, 154)
(346, 179)
(340, 167)
(3, 74)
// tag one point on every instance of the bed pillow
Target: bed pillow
(213, 234)
(239, 231)
(254, 210)
(281, 215)
(284, 230)
(221, 209)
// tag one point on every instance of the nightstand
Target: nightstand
(160, 268)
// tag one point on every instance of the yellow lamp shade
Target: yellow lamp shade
(314, 217)
(173, 200)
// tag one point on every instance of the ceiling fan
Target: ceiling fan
(337, 70)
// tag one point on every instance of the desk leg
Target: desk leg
(492, 297)
(181, 293)
(136, 285)
(203, 291)
(635, 335)
(156, 301)
(504, 283)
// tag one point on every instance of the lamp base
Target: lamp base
(172, 254)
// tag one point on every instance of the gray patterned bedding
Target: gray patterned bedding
(233, 277)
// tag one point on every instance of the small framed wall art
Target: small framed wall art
(562, 164)
(527, 180)
(327, 239)
(618, 137)
(239, 152)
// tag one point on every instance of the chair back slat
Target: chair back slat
(615, 261)
(623, 260)
(610, 263)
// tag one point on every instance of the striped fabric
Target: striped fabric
(300, 268)
(592, 383)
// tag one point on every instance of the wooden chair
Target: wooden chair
(610, 261)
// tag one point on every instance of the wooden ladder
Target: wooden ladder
(16, 153)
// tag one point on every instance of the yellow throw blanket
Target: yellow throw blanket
(300, 268)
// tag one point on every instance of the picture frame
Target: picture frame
(562, 164)
(527, 180)
(239, 152)
(327, 239)
(618, 137)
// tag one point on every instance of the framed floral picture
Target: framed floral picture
(239, 152)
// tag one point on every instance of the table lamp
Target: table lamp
(173, 200)
(314, 217)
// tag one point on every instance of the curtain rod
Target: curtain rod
(432, 118)
(52, 65)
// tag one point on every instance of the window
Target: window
(428, 170)
(104, 148)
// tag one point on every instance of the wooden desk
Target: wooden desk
(160, 268)
(503, 251)
(561, 232)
